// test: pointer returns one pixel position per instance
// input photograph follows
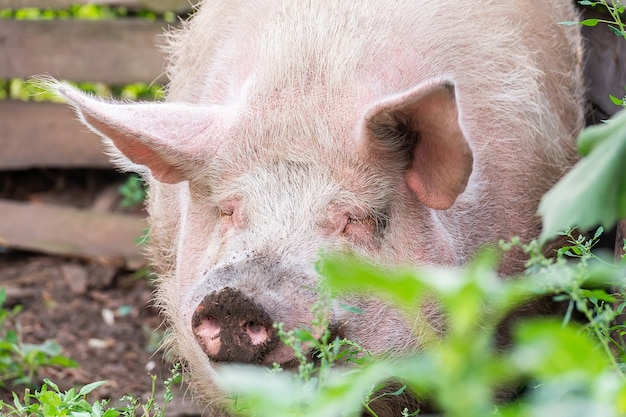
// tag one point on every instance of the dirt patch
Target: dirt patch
(100, 314)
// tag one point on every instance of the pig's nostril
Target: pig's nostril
(232, 327)
(257, 332)
(207, 332)
(208, 328)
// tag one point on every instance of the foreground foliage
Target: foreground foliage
(563, 366)
(50, 401)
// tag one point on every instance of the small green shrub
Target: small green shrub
(82, 12)
(20, 362)
(616, 25)
(50, 401)
(563, 364)
(133, 191)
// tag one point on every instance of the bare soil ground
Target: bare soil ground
(100, 314)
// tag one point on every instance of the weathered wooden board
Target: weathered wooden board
(104, 237)
(111, 51)
(156, 5)
(34, 135)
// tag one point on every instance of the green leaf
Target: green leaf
(7, 346)
(90, 387)
(546, 348)
(50, 398)
(279, 394)
(352, 275)
(48, 347)
(616, 31)
(590, 22)
(62, 361)
(594, 191)
(47, 384)
(350, 309)
(111, 412)
(96, 409)
(615, 100)
(599, 295)
(304, 335)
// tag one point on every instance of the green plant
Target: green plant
(151, 407)
(133, 191)
(462, 372)
(82, 12)
(50, 401)
(615, 10)
(27, 90)
(594, 191)
(615, 24)
(600, 301)
(20, 362)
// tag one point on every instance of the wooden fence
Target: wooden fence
(46, 135)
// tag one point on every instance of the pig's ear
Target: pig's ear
(169, 139)
(423, 124)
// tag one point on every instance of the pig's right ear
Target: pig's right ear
(169, 139)
(421, 128)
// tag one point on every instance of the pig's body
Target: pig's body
(405, 131)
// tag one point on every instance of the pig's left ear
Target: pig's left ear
(423, 125)
(167, 139)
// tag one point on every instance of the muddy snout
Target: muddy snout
(232, 327)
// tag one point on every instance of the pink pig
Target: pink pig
(409, 132)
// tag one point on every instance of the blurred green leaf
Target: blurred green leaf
(594, 191)
(546, 348)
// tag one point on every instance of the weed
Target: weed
(314, 350)
(599, 301)
(20, 362)
(615, 10)
(615, 24)
(50, 401)
(133, 191)
(463, 372)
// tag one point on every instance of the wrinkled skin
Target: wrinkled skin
(402, 131)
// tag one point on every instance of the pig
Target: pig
(403, 132)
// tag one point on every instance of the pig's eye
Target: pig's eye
(354, 223)
(226, 212)
(368, 225)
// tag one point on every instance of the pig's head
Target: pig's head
(246, 195)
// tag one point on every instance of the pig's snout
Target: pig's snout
(231, 327)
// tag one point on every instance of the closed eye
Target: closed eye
(226, 212)
(370, 224)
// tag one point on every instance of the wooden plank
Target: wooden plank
(155, 5)
(46, 135)
(104, 237)
(111, 51)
